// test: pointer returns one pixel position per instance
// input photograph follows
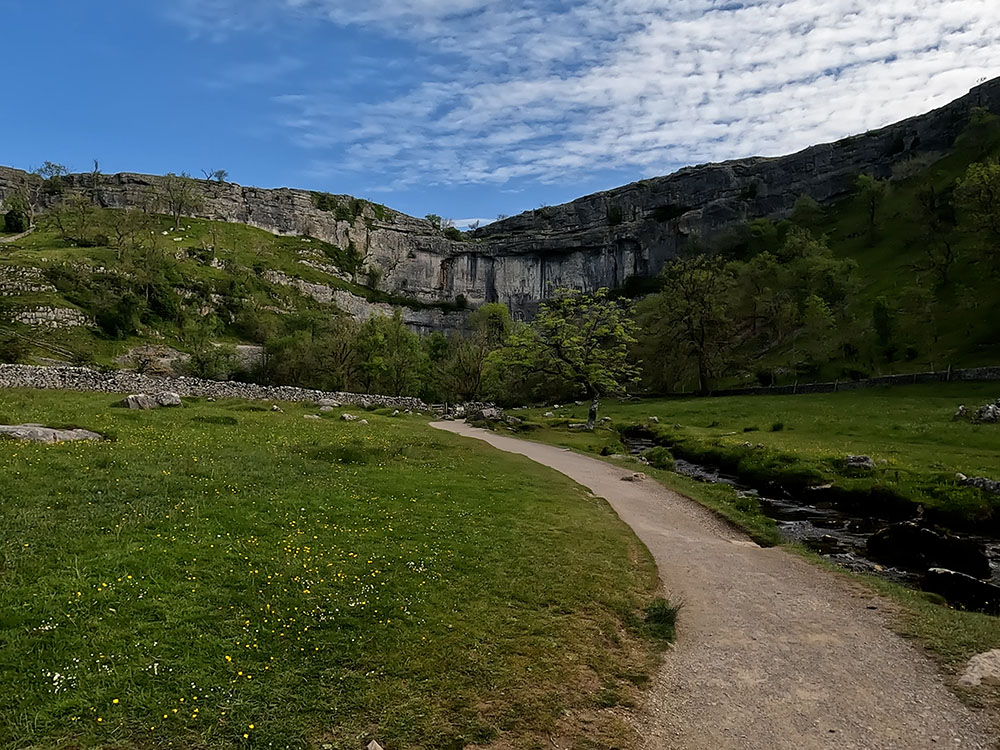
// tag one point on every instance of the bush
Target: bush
(16, 221)
(12, 350)
(661, 619)
(777, 427)
(660, 458)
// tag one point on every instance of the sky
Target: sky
(468, 109)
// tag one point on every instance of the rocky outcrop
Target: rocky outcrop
(596, 241)
(963, 590)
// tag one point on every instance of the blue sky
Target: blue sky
(469, 108)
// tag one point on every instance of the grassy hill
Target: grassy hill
(206, 279)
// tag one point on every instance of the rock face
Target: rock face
(910, 546)
(36, 433)
(599, 240)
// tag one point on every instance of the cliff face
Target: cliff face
(599, 240)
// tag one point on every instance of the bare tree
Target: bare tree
(181, 196)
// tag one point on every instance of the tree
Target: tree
(181, 196)
(977, 197)
(935, 219)
(581, 339)
(391, 359)
(218, 175)
(434, 220)
(692, 318)
(463, 371)
(870, 192)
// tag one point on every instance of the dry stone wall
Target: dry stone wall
(127, 382)
(50, 317)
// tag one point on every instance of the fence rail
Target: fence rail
(971, 374)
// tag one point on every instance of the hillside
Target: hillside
(104, 273)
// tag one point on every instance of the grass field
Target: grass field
(803, 440)
(224, 576)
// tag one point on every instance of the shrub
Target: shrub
(777, 427)
(12, 350)
(661, 619)
(751, 428)
(660, 458)
(16, 221)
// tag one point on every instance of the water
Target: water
(838, 533)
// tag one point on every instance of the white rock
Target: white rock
(362, 421)
(326, 408)
(168, 398)
(36, 433)
(139, 401)
(982, 668)
(348, 418)
(310, 416)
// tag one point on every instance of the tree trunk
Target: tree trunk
(592, 414)
(702, 375)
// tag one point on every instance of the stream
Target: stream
(838, 533)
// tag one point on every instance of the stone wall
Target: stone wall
(128, 382)
(50, 317)
(17, 280)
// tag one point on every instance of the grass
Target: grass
(221, 577)
(907, 430)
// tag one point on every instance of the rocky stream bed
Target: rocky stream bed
(892, 544)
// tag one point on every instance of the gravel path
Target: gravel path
(772, 652)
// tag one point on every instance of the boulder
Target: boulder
(637, 477)
(907, 545)
(991, 486)
(989, 414)
(326, 408)
(982, 668)
(654, 420)
(36, 433)
(860, 462)
(961, 413)
(275, 407)
(311, 416)
(348, 418)
(168, 398)
(362, 421)
(487, 413)
(328, 402)
(139, 401)
(514, 421)
(549, 414)
(963, 590)
(395, 412)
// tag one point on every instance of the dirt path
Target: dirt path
(773, 652)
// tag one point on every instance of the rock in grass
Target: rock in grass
(36, 433)
(348, 418)
(962, 590)
(362, 421)
(982, 668)
(989, 414)
(654, 420)
(328, 402)
(991, 486)
(326, 408)
(860, 462)
(549, 414)
(168, 398)
(141, 401)
(310, 416)
(373, 745)
(276, 408)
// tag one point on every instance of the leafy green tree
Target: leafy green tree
(434, 220)
(692, 318)
(871, 192)
(977, 197)
(580, 339)
(391, 359)
(465, 371)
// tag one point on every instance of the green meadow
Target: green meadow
(225, 576)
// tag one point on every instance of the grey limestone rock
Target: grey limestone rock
(36, 433)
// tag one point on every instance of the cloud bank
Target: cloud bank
(549, 91)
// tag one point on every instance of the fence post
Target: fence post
(795, 388)
(948, 378)
(836, 385)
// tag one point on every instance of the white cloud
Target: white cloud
(551, 91)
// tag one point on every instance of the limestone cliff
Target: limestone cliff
(599, 240)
